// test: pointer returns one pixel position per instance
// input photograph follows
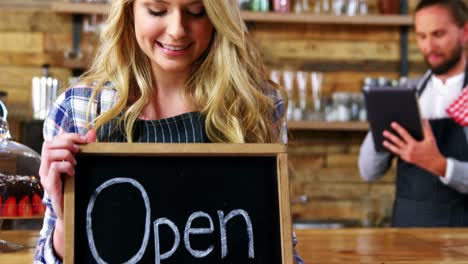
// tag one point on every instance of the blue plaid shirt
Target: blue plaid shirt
(68, 115)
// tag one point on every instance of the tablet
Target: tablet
(392, 104)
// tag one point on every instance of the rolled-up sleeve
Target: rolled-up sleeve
(66, 115)
(53, 125)
(456, 175)
(45, 248)
(372, 164)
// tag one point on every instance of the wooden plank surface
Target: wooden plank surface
(331, 50)
(32, 59)
(338, 246)
(322, 209)
(26, 238)
(271, 17)
(323, 167)
(328, 126)
(323, 32)
(69, 219)
(80, 8)
(21, 42)
(389, 246)
(390, 68)
(169, 149)
(381, 20)
(26, 20)
(26, 4)
(22, 75)
(285, 209)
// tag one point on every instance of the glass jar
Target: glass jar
(20, 189)
(363, 7)
(260, 5)
(356, 106)
(341, 107)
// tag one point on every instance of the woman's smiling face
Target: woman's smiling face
(172, 33)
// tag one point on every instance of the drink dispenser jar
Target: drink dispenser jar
(20, 189)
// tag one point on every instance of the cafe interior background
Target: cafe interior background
(322, 51)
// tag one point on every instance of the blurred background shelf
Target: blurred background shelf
(309, 18)
(80, 8)
(328, 126)
(267, 17)
(31, 5)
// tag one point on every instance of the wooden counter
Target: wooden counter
(325, 246)
(26, 238)
(387, 246)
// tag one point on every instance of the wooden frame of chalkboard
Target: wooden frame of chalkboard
(262, 159)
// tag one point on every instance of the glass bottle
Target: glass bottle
(260, 5)
(282, 6)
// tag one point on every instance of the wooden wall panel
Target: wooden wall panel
(330, 50)
(324, 32)
(17, 42)
(18, 102)
(347, 54)
(328, 210)
(323, 165)
(28, 40)
(61, 42)
(29, 4)
(21, 20)
(351, 81)
(31, 59)
(22, 76)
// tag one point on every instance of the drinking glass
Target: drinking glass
(288, 78)
(302, 81)
(321, 6)
(316, 79)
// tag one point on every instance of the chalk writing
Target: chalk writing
(188, 231)
(89, 210)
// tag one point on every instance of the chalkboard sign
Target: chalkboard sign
(178, 203)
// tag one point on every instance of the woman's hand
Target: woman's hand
(57, 159)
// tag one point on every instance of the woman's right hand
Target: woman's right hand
(57, 159)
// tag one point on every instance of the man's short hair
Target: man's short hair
(457, 8)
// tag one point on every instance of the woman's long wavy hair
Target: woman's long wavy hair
(228, 85)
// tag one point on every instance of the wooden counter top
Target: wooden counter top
(383, 245)
(333, 246)
(26, 238)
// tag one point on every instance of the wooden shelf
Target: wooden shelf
(327, 126)
(266, 17)
(80, 8)
(371, 20)
(21, 217)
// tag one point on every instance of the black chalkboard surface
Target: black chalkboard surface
(178, 203)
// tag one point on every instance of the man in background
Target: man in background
(432, 174)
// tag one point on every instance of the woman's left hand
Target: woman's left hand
(424, 153)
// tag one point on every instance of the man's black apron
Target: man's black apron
(422, 200)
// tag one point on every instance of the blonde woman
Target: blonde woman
(166, 71)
